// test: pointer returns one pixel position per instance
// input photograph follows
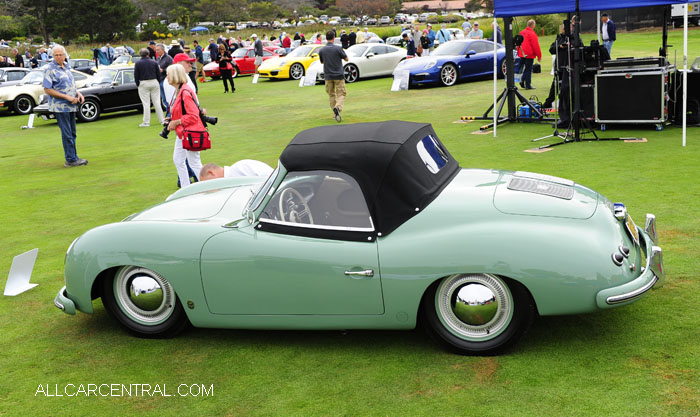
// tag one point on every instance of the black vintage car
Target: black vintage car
(83, 65)
(111, 90)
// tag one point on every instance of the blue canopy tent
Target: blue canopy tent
(510, 8)
(199, 29)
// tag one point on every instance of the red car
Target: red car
(243, 62)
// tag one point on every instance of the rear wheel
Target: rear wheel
(504, 70)
(144, 302)
(351, 73)
(89, 110)
(478, 314)
(296, 71)
(448, 75)
(23, 104)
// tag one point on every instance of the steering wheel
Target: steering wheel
(294, 208)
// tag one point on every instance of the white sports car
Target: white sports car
(366, 60)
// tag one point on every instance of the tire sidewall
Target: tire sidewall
(31, 104)
(171, 326)
(522, 317)
(97, 110)
(456, 75)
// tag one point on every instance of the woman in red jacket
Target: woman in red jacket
(177, 77)
(528, 51)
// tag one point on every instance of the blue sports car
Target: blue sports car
(453, 61)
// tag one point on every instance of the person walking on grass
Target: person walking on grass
(528, 51)
(147, 77)
(64, 99)
(332, 57)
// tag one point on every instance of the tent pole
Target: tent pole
(685, 70)
(510, 82)
(600, 42)
(495, 74)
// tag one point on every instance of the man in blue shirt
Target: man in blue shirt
(64, 99)
(431, 37)
(443, 35)
(476, 33)
(199, 55)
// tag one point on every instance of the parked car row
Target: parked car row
(23, 96)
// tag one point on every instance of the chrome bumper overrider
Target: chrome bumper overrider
(63, 302)
(652, 274)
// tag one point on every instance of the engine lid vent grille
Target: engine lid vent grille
(541, 187)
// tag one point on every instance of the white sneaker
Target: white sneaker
(144, 125)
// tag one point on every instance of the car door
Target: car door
(481, 62)
(309, 254)
(372, 62)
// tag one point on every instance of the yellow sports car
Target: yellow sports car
(293, 66)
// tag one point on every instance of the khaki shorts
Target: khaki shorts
(258, 60)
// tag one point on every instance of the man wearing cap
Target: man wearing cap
(475, 33)
(431, 37)
(332, 57)
(258, 48)
(213, 50)
(147, 77)
(286, 42)
(184, 60)
(199, 55)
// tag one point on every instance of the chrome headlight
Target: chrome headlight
(430, 64)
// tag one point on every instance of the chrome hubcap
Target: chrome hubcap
(474, 306)
(448, 75)
(143, 295)
(88, 110)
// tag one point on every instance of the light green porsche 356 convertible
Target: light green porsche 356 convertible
(367, 226)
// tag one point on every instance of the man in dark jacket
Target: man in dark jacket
(352, 37)
(19, 60)
(213, 50)
(607, 30)
(175, 48)
(152, 50)
(344, 39)
(147, 77)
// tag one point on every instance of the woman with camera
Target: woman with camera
(181, 121)
(225, 68)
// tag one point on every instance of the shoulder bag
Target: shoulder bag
(194, 140)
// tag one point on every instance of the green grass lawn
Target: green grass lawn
(638, 360)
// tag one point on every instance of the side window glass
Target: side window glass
(118, 78)
(251, 54)
(128, 77)
(431, 152)
(79, 76)
(323, 199)
(15, 75)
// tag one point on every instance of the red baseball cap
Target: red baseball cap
(182, 57)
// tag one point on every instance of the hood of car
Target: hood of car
(530, 194)
(420, 63)
(277, 62)
(12, 91)
(205, 206)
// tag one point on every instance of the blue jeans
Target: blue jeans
(608, 46)
(66, 122)
(162, 98)
(526, 79)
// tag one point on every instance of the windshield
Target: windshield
(301, 51)
(449, 48)
(104, 76)
(258, 197)
(33, 77)
(239, 53)
(356, 50)
(122, 60)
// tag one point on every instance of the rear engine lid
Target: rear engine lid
(530, 194)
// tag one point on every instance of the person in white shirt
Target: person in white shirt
(242, 168)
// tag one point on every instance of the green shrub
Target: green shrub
(549, 23)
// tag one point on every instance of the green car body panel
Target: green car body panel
(231, 275)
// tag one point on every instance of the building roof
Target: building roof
(434, 5)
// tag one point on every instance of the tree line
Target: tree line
(100, 20)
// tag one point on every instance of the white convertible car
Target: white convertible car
(366, 60)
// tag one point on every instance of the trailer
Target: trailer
(677, 12)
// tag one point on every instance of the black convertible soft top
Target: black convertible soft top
(383, 158)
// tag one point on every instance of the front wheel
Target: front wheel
(448, 75)
(89, 110)
(296, 71)
(478, 314)
(144, 302)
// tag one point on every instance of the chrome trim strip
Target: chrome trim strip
(656, 262)
(365, 273)
(632, 294)
(318, 226)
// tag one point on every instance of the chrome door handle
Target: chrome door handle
(365, 273)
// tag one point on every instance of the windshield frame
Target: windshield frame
(450, 46)
(295, 54)
(96, 78)
(259, 197)
(351, 50)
